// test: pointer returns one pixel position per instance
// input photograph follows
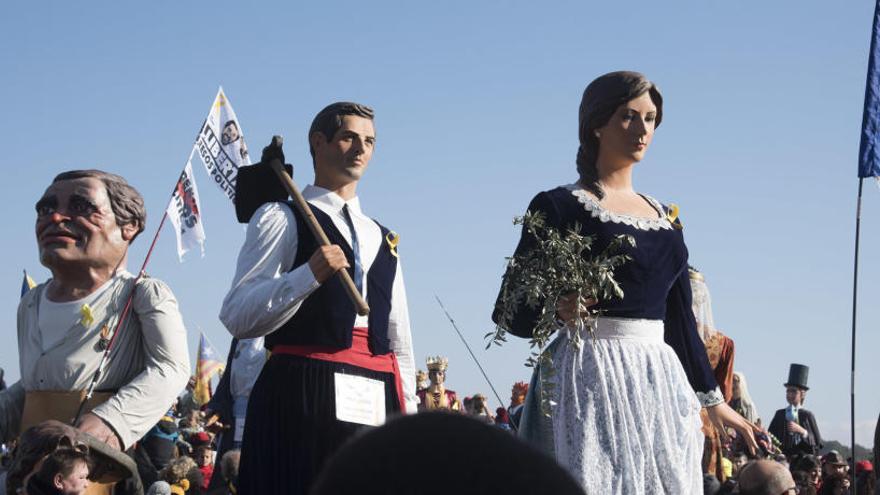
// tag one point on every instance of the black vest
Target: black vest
(326, 317)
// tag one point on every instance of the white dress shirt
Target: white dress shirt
(265, 293)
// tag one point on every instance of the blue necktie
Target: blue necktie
(356, 249)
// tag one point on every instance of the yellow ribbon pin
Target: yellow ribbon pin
(393, 239)
(672, 215)
(87, 318)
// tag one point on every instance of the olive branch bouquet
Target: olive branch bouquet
(560, 263)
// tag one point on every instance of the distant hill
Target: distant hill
(862, 453)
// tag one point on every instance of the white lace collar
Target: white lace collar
(597, 211)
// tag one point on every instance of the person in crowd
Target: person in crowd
(40, 441)
(517, 398)
(803, 482)
(765, 477)
(65, 472)
(739, 460)
(795, 426)
(229, 403)
(711, 485)
(480, 409)
(477, 459)
(186, 403)
(422, 381)
(741, 401)
(229, 464)
(156, 449)
(285, 288)
(437, 396)
(159, 487)
(811, 466)
(625, 378)
(183, 475)
(865, 479)
(502, 419)
(835, 479)
(205, 461)
(726, 468)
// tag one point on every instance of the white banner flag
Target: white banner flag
(186, 214)
(221, 145)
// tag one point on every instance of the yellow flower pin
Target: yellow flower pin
(393, 239)
(672, 215)
(87, 318)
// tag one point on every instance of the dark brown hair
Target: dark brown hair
(329, 120)
(601, 99)
(126, 202)
(63, 461)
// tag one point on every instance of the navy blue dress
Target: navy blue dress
(624, 416)
(655, 281)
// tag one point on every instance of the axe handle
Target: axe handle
(360, 305)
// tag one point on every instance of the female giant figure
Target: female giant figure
(625, 418)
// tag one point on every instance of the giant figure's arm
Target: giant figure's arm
(140, 403)
(265, 293)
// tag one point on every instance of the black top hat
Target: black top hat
(797, 376)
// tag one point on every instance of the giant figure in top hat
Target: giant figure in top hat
(795, 426)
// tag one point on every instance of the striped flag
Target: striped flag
(869, 149)
(207, 364)
(27, 284)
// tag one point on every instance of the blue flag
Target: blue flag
(869, 149)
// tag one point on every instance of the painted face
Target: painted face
(76, 224)
(794, 396)
(437, 377)
(76, 482)
(344, 158)
(630, 130)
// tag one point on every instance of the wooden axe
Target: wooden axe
(303, 207)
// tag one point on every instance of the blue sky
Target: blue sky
(476, 108)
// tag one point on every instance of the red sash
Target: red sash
(358, 355)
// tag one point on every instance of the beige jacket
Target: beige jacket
(148, 366)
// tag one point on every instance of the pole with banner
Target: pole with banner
(221, 145)
(869, 166)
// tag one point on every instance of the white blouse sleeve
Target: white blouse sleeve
(265, 293)
(401, 341)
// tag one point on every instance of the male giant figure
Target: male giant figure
(323, 355)
(86, 221)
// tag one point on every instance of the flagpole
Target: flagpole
(473, 356)
(105, 357)
(852, 386)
